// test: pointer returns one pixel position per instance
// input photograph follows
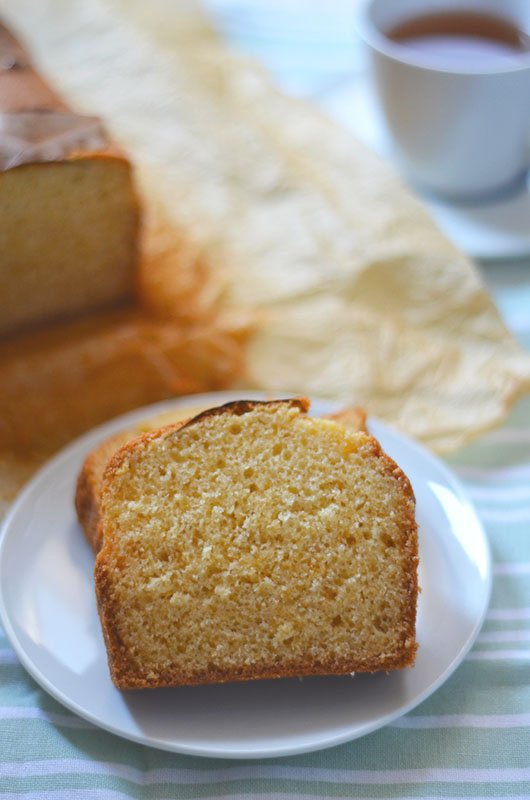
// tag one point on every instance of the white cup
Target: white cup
(459, 132)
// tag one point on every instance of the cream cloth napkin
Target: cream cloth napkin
(257, 203)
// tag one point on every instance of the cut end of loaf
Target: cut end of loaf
(83, 214)
(255, 542)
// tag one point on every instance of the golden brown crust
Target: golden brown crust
(89, 485)
(240, 407)
(409, 545)
(126, 674)
(87, 508)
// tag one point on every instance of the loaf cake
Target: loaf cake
(91, 475)
(254, 541)
(70, 216)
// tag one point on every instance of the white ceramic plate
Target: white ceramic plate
(48, 610)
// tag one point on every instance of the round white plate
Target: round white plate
(48, 610)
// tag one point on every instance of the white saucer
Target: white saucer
(492, 231)
(48, 610)
(489, 232)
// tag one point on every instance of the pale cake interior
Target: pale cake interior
(258, 540)
(67, 239)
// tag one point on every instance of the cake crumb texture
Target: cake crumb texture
(253, 542)
(68, 239)
(89, 480)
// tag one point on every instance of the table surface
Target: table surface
(471, 738)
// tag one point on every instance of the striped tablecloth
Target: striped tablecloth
(469, 739)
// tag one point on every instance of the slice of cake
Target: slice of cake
(254, 541)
